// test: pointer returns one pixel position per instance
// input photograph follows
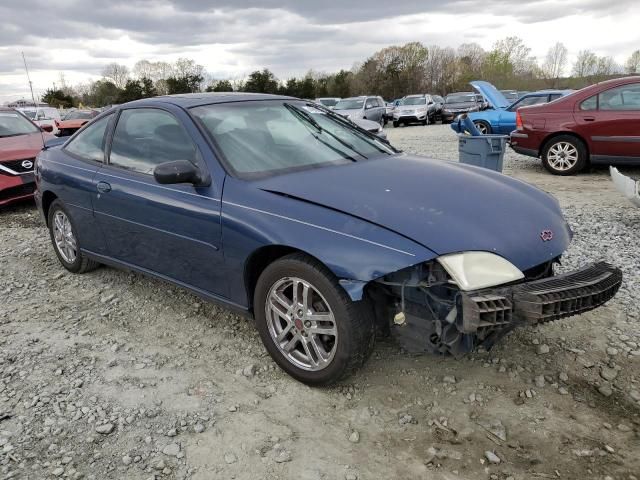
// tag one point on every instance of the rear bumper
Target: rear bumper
(539, 301)
(529, 152)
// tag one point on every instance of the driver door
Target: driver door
(170, 230)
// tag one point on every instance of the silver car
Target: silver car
(420, 108)
(369, 108)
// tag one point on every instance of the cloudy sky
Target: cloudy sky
(233, 37)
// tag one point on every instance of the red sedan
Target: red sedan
(20, 142)
(599, 124)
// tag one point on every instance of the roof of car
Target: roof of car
(188, 100)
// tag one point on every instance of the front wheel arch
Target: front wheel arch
(48, 198)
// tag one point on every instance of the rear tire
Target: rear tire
(564, 155)
(313, 358)
(65, 240)
(396, 124)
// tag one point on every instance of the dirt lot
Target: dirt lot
(111, 375)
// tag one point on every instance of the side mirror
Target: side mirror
(368, 107)
(47, 128)
(178, 171)
(430, 102)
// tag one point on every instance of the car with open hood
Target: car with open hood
(500, 116)
(322, 232)
(74, 121)
(20, 142)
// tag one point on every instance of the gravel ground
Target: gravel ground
(110, 375)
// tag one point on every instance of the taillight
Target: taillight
(519, 121)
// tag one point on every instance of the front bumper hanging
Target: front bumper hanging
(481, 318)
(539, 301)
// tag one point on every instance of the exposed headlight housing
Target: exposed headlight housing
(476, 270)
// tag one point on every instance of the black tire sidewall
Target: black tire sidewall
(580, 148)
(338, 302)
(77, 264)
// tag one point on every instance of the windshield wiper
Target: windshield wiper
(306, 115)
(352, 126)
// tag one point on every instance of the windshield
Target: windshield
(13, 124)
(328, 102)
(460, 98)
(414, 101)
(267, 138)
(350, 104)
(77, 115)
(29, 113)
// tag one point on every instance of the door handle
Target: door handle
(588, 119)
(103, 187)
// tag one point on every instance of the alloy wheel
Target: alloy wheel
(301, 323)
(482, 128)
(562, 156)
(64, 238)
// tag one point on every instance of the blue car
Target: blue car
(500, 118)
(321, 231)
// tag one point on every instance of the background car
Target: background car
(460, 102)
(20, 141)
(415, 109)
(599, 124)
(510, 95)
(371, 127)
(329, 102)
(367, 107)
(500, 117)
(74, 120)
(43, 116)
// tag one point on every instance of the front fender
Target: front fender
(355, 250)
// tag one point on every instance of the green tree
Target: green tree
(57, 98)
(261, 81)
(220, 86)
(188, 83)
(148, 88)
(131, 91)
(633, 63)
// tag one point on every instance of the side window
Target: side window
(626, 97)
(590, 103)
(532, 101)
(380, 102)
(89, 143)
(371, 102)
(147, 137)
(554, 96)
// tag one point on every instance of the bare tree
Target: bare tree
(586, 64)
(633, 63)
(554, 63)
(116, 73)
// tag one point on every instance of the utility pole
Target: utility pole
(30, 83)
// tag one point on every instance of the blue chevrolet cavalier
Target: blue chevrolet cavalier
(322, 232)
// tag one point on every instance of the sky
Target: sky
(231, 38)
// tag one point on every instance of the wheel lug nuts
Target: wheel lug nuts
(307, 324)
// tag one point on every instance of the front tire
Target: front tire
(308, 324)
(483, 127)
(65, 240)
(564, 155)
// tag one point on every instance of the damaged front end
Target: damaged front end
(426, 310)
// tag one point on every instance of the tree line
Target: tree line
(392, 72)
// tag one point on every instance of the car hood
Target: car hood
(21, 146)
(491, 94)
(355, 111)
(444, 206)
(410, 107)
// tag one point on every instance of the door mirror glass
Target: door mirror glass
(177, 171)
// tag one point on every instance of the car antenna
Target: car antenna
(33, 97)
